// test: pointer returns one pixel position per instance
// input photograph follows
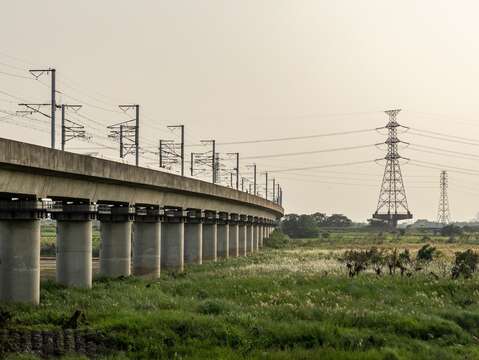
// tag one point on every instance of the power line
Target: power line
(452, 139)
(309, 152)
(339, 133)
(322, 166)
(332, 177)
(13, 96)
(437, 166)
(446, 135)
(446, 151)
(15, 75)
(347, 184)
(17, 59)
(467, 157)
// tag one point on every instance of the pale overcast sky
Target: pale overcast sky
(253, 69)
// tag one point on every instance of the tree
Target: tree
(319, 218)
(290, 224)
(299, 226)
(378, 224)
(338, 220)
(451, 230)
(307, 226)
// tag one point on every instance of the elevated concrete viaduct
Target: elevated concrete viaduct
(150, 220)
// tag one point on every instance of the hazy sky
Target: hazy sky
(244, 70)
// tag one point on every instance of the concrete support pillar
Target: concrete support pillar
(194, 237)
(223, 240)
(74, 244)
(19, 260)
(255, 237)
(223, 235)
(242, 239)
(74, 253)
(115, 248)
(249, 238)
(210, 242)
(210, 239)
(194, 243)
(147, 248)
(115, 239)
(20, 250)
(173, 240)
(260, 235)
(234, 238)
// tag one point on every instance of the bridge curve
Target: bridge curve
(149, 220)
(45, 172)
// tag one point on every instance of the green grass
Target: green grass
(281, 304)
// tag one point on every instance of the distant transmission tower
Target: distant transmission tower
(443, 215)
(392, 203)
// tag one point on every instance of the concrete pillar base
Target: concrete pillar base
(249, 238)
(255, 237)
(74, 253)
(234, 240)
(222, 231)
(242, 239)
(115, 250)
(260, 236)
(194, 243)
(172, 245)
(147, 248)
(210, 242)
(115, 232)
(20, 261)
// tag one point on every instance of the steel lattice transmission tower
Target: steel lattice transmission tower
(443, 215)
(392, 203)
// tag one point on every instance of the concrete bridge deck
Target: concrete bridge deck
(49, 173)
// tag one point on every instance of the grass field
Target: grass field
(295, 302)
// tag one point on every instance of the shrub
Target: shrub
(277, 240)
(404, 261)
(396, 260)
(465, 264)
(377, 260)
(356, 261)
(426, 253)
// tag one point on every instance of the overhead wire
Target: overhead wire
(322, 166)
(345, 148)
(269, 140)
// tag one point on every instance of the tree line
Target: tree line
(306, 226)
